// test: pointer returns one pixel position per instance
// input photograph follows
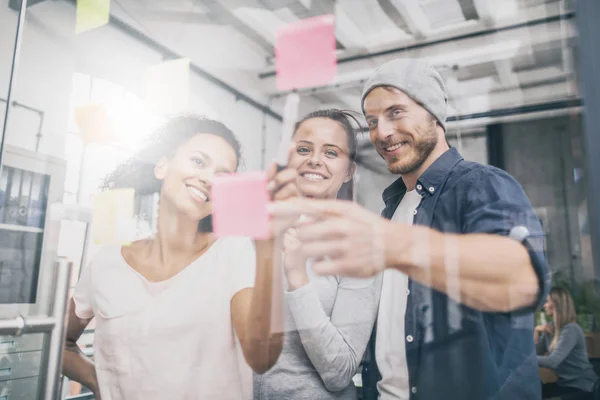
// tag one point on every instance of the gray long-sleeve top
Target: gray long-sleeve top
(328, 323)
(569, 359)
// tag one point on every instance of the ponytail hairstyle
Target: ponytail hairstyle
(350, 125)
(564, 311)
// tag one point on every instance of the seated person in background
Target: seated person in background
(565, 342)
(328, 319)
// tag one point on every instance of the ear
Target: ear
(440, 129)
(351, 172)
(160, 169)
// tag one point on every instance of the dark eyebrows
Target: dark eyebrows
(333, 145)
(325, 145)
(204, 155)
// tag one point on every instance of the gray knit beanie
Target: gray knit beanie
(418, 79)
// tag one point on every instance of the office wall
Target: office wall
(539, 154)
(50, 56)
(51, 53)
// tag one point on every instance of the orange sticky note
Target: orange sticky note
(168, 86)
(91, 14)
(305, 53)
(112, 219)
(240, 205)
(94, 124)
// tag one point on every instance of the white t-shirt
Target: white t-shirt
(390, 349)
(172, 339)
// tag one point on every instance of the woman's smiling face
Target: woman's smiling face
(321, 157)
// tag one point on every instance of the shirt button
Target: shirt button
(415, 211)
(413, 389)
(419, 187)
(407, 292)
(431, 189)
(409, 339)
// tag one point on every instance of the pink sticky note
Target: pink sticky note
(240, 205)
(305, 53)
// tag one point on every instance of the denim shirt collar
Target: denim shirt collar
(429, 181)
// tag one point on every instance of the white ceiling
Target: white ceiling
(517, 54)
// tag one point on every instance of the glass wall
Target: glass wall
(7, 43)
(93, 84)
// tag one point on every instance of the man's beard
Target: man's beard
(422, 149)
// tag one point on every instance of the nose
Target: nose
(206, 176)
(384, 130)
(315, 160)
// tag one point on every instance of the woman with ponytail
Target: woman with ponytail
(561, 347)
(328, 320)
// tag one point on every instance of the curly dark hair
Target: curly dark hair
(138, 171)
(351, 125)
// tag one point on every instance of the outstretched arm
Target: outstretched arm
(257, 313)
(76, 365)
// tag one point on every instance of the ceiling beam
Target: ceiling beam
(347, 32)
(16, 4)
(225, 16)
(170, 54)
(468, 9)
(183, 17)
(506, 74)
(476, 50)
(511, 98)
(490, 14)
(491, 32)
(303, 9)
(396, 15)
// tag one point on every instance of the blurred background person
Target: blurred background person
(560, 346)
(328, 320)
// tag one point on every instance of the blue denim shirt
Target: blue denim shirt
(455, 352)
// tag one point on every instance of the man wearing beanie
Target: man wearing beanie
(460, 246)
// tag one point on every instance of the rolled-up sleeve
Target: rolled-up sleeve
(497, 204)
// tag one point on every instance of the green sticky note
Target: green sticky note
(91, 14)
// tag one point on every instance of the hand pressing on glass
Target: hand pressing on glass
(294, 260)
(342, 237)
(282, 186)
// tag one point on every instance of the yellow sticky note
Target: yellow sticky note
(91, 14)
(168, 86)
(112, 222)
(94, 124)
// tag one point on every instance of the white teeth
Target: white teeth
(313, 177)
(197, 193)
(394, 147)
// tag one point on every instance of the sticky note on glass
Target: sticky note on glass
(239, 205)
(94, 124)
(168, 87)
(305, 53)
(91, 14)
(112, 220)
